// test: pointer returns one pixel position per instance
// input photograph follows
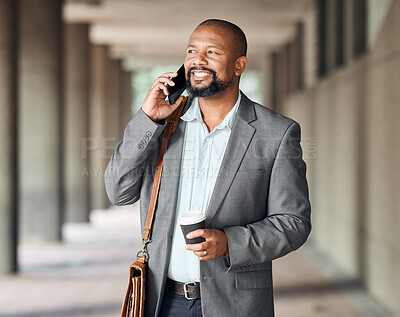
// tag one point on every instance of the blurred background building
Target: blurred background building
(70, 70)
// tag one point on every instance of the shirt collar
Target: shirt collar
(194, 112)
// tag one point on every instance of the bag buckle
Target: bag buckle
(186, 290)
(143, 253)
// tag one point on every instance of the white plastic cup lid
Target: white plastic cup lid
(191, 217)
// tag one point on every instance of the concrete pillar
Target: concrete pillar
(340, 33)
(349, 33)
(125, 90)
(330, 36)
(267, 80)
(310, 51)
(94, 146)
(8, 175)
(76, 122)
(321, 26)
(40, 101)
(300, 56)
(280, 80)
(112, 108)
(294, 64)
(359, 27)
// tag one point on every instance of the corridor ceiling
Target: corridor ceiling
(152, 32)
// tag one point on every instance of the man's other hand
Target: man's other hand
(216, 244)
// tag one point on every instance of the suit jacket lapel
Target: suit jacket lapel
(240, 138)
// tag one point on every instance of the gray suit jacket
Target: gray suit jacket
(260, 200)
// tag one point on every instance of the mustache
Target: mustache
(189, 72)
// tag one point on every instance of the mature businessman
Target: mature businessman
(235, 160)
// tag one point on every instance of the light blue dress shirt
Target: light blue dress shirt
(202, 155)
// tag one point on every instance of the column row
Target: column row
(63, 103)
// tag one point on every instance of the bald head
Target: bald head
(239, 38)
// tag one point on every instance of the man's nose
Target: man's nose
(199, 60)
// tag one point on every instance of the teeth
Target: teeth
(200, 74)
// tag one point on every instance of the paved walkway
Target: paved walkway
(86, 276)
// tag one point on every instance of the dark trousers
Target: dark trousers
(178, 306)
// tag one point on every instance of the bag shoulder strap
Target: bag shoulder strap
(172, 124)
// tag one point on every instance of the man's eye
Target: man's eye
(190, 51)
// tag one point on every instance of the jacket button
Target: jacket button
(148, 133)
(140, 147)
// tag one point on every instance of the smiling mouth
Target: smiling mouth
(200, 74)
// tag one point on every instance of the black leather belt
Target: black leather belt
(190, 290)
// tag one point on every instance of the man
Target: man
(236, 161)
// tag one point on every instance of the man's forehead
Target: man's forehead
(210, 34)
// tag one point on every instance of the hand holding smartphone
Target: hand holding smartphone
(180, 86)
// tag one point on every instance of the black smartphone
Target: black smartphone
(180, 86)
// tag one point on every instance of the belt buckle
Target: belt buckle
(186, 291)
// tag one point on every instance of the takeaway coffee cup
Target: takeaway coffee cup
(191, 221)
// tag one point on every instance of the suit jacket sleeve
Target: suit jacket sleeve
(287, 224)
(124, 172)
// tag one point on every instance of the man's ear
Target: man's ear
(240, 65)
